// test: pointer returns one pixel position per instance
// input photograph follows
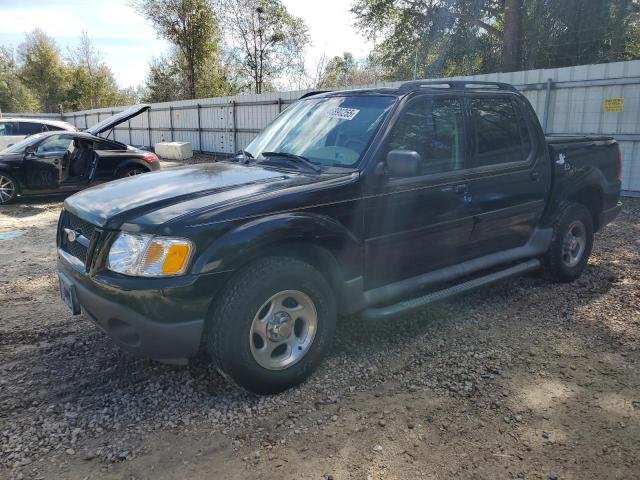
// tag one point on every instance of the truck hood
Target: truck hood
(152, 199)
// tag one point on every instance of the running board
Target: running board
(407, 306)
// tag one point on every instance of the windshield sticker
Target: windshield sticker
(343, 113)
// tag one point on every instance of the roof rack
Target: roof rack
(454, 85)
(314, 92)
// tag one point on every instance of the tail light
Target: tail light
(619, 176)
(150, 157)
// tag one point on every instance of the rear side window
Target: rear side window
(53, 128)
(6, 129)
(29, 128)
(501, 134)
(433, 127)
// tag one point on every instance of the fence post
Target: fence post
(149, 128)
(85, 121)
(129, 125)
(113, 130)
(235, 129)
(279, 105)
(547, 104)
(171, 121)
(199, 131)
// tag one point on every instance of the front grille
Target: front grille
(82, 229)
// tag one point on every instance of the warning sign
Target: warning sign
(614, 105)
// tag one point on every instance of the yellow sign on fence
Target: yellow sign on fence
(614, 105)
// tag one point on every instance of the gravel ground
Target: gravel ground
(526, 379)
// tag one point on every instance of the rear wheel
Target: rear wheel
(132, 172)
(8, 188)
(571, 243)
(272, 325)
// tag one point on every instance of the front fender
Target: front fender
(245, 241)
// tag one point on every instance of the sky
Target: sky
(128, 42)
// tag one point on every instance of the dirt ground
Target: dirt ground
(526, 379)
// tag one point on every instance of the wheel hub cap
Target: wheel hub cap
(279, 326)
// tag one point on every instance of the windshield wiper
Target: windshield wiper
(297, 158)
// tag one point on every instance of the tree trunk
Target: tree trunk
(512, 58)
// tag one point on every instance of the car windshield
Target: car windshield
(329, 131)
(22, 144)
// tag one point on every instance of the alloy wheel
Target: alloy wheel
(574, 244)
(283, 330)
(7, 189)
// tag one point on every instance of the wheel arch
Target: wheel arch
(317, 240)
(131, 162)
(592, 197)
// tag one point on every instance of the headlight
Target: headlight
(149, 256)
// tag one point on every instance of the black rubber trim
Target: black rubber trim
(407, 306)
(537, 245)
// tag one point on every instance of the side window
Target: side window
(54, 143)
(498, 131)
(6, 129)
(29, 128)
(433, 127)
(52, 128)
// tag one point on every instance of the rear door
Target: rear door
(417, 224)
(511, 176)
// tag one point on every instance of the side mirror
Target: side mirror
(30, 150)
(403, 163)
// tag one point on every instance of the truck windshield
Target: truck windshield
(331, 131)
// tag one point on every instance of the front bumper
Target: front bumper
(158, 318)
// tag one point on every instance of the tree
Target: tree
(458, 37)
(189, 25)
(266, 41)
(14, 96)
(91, 82)
(42, 70)
(166, 79)
(346, 71)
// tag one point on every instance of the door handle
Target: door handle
(535, 176)
(462, 188)
(56, 162)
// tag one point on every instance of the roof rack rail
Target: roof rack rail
(314, 92)
(453, 84)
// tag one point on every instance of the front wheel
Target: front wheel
(272, 325)
(571, 243)
(8, 188)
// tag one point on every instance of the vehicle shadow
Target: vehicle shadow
(24, 207)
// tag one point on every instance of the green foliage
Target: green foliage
(266, 42)
(191, 27)
(346, 71)
(42, 70)
(463, 37)
(167, 80)
(14, 96)
(42, 80)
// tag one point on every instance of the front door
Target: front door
(43, 163)
(511, 178)
(417, 224)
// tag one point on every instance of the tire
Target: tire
(571, 243)
(8, 188)
(256, 314)
(132, 171)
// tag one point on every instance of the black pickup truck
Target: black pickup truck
(376, 202)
